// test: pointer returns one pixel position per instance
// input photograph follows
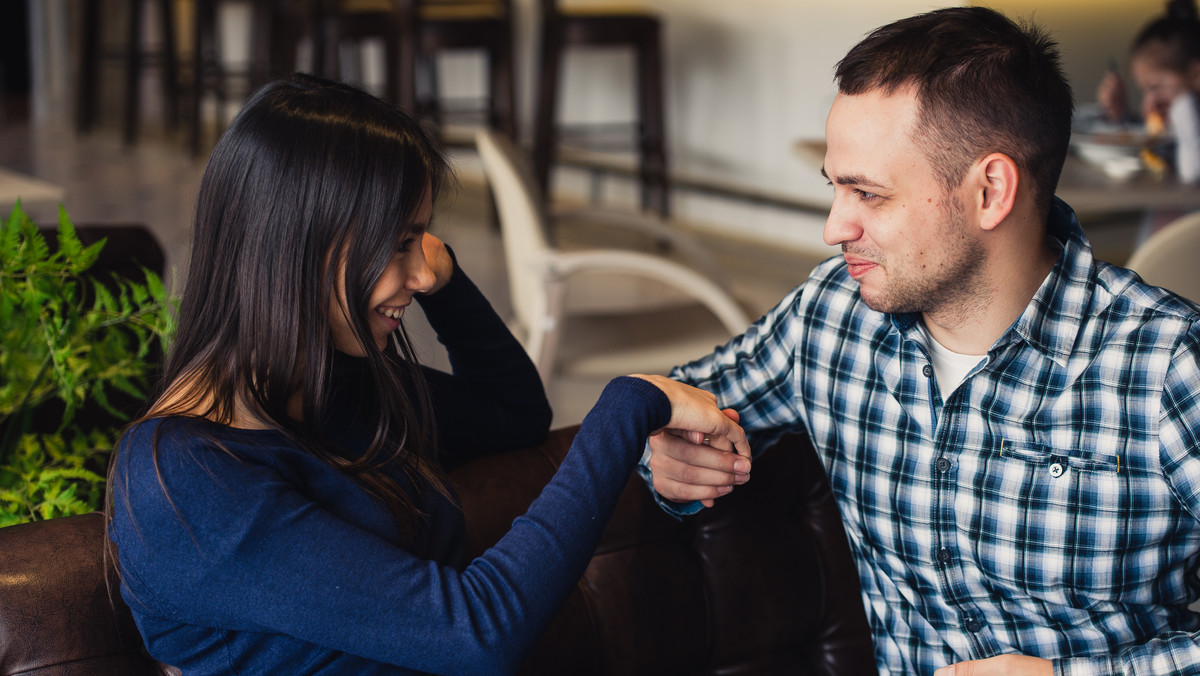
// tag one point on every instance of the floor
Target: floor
(154, 183)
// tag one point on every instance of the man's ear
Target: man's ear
(995, 188)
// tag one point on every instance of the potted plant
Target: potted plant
(75, 348)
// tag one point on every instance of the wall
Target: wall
(745, 81)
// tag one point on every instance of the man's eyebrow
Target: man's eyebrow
(852, 179)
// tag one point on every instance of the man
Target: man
(1010, 426)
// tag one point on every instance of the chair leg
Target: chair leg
(133, 68)
(502, 113)
(652, 132)
(545, 140)
(198, 14)
(170, 62)
(89, 71)
(403, 67)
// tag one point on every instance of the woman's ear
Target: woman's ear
(996, 181)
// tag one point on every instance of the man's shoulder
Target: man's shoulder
(1139, 314)
(1126, 293)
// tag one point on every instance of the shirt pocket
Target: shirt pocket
(1058, 463)
(1055, 517)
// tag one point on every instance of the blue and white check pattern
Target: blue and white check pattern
(1050, 507)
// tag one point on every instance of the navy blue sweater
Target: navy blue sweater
(258, 558)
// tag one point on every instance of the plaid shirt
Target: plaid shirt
(1049, 507)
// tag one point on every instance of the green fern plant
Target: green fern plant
(67, 341)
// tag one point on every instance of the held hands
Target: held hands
(439, 261)
(703, 453)
(1002, 665)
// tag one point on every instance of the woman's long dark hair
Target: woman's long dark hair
(313, 180)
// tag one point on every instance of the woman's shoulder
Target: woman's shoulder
(192, 437)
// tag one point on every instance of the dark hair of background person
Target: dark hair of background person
(313, 186)
(1172, 41)
(983, 83)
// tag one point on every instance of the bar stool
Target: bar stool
(414, 32)
(135, 57)
(276, 29)
(484, 25)
(596, 26)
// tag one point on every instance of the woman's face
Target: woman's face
(407, 273)
(1160, 86)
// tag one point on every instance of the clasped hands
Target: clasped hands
(702, 453)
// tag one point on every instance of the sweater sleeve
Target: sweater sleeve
(494, 398)
(237, 545)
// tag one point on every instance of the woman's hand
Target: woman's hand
(703, 452)
(439, 261)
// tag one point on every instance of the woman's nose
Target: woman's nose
(421, 277)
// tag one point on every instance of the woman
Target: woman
(281, 508)
(1165, 61)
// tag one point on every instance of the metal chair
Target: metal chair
(1168, 257)
(648, 288)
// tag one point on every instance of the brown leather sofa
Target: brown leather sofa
(762, 583)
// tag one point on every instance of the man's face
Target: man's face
(906, 239)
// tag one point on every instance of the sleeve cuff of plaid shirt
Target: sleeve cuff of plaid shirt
(675, 509)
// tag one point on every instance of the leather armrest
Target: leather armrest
(761, 583)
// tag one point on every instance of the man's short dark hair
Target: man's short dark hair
(984, 84)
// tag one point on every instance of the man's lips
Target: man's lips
(859, 266)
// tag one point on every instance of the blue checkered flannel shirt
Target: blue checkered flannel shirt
(1049, 507)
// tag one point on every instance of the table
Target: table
(39, 199)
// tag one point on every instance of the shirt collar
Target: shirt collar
(1051, 321)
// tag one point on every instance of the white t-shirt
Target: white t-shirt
(1185, 122)
(949, 367)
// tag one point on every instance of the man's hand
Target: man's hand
(686, 468)
(1002, 665)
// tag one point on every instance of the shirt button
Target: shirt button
(944, 555)
(1056, 470)
(973, 625)
(943, 464)
(927, 371)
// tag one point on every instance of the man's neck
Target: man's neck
(1012, 277)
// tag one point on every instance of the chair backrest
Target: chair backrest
(524, 228)
(60, 609)
(1168, 257)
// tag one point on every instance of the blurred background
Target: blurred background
(743, 87)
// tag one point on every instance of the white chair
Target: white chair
(1168, 257)
(654, 338)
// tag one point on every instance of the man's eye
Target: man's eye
(406, 245)
(866, 196)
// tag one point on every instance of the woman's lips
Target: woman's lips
(391, 314)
